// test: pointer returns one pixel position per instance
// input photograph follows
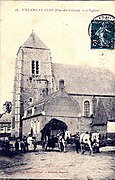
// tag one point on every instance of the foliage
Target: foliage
(7, 106)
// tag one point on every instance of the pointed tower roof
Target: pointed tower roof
(34, 42)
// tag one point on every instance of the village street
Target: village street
(59, 165)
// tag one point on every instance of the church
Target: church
(81, 97)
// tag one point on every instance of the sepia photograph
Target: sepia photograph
(57, 90)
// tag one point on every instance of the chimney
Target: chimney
(61, 84)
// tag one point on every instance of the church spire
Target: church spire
(34, 42)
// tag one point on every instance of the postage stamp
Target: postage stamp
(102, 32)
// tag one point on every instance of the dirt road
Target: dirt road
(59, 165)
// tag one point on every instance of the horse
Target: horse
(85, 143)
(95, 142)
(49, 142)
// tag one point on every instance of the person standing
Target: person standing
(77, 142)
(25, 143)
(30, 144)
(17, 145)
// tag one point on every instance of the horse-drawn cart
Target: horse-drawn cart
(50, 133)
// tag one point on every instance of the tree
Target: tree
(7, 106)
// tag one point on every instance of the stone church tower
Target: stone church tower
(33, 77)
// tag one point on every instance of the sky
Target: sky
(61, 25)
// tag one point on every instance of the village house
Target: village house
(38, 96)
(5, 124)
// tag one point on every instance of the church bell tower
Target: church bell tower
(33, 77)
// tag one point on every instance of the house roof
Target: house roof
(1, 115)
(85, 80)
(46, 99)
(5, 118)
(105, 111)
(34, 42)
(43, 100)
(43, 103)
(109, 106)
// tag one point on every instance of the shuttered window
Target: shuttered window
(35, 67)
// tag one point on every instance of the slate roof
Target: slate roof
(85, 80)
(34, 42)
(105, 111)
(109, 106)
(42, 103)
(43, 100)
(46, 99)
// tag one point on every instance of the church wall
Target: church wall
(100, 128)
(85, 124)
(72, 123)
(62, 108)
(36, 123)
(32, 86)
(81, 100)
(77, 124)
(43, 56)
(26, 127)
(66, 110)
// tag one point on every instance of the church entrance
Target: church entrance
(50, 132)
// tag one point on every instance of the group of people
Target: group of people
(5, 144)
(87, 142)
(83, 142)
(25, 144)
(50, 142)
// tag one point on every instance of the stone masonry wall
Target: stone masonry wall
(32, 86)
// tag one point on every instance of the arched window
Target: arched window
(86, 108)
